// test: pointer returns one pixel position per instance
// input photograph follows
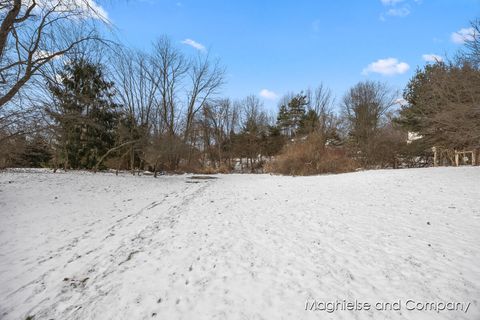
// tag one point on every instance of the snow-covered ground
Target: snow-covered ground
(98, 246)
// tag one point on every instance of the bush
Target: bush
(309, 157)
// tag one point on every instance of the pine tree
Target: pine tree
(296, 111)
(309, 122)
(85, 115)
(283, 120)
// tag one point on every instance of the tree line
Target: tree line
(73, 100)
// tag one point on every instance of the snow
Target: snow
(79, 245)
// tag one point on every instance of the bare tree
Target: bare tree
(16, 121)
(206, 80)
(471, 51)
(220, 122)
(137, 86)
(171, 66)
(364, 108)
(35, 32)
(255, 122)
(321, 102)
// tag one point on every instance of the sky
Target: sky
(273, 47)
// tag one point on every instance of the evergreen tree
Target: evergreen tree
(443, 105)
(85, 115)
(290, 116)
(274, 142)
(309, 122)
(283, 120)
(296, 111)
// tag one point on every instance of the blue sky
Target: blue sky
(284, 46)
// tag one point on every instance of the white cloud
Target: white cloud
(389, 66)
(390, 2)
(430, 57)
(93, 9)
(398, 8)
(399, 12)
(80, 9)
(463, 35)
(268, 94)
(194, 44)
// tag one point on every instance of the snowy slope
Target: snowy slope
(98, 246)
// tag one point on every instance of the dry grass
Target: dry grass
(310, 157)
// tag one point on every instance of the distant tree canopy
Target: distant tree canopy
(67, 98)
(85, 115)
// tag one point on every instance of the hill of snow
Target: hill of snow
(79, 245)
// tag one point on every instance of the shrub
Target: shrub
(311, 156)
